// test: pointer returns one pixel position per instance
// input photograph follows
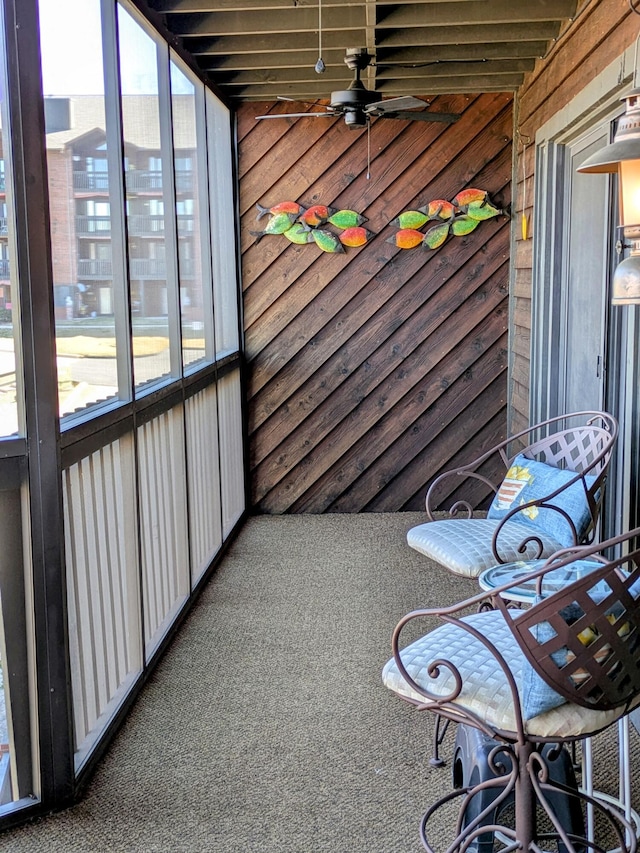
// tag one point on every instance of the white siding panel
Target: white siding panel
(102, 585)
(163, 523)
(203, 460)
(231, 451)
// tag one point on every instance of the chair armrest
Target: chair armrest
(463, 473)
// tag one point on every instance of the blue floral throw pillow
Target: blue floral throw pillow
(527, 480)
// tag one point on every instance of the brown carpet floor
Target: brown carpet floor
(266, 726)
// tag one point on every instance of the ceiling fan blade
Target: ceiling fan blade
(299, 101)
(406, 102)
(447, 118)
(299, 115)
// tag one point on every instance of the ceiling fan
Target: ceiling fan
(358, 105)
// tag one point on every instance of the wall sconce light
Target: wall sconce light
(623, 156)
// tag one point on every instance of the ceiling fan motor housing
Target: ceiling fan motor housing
(352, 101)
(354, 97)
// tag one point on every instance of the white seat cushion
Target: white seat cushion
(463, 545)
(485, 689)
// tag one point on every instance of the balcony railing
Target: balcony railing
(92, 268)
(139, 225)
(136, 179)
(147, 268)
(143, 226)
(139, 181)
(140, 268)
(93, 225)
(91, 181)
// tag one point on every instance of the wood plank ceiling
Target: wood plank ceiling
(262, 49)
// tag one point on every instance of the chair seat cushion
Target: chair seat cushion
(485, 689)
(463, 545)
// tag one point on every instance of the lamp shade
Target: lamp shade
(623, 156)
(626, 142)
(625, 288)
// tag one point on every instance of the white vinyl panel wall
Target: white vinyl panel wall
(163, 523)
(102, 586)
(231, 450)
(205, 520)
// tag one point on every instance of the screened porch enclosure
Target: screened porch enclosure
(122, 460)
(150, 390)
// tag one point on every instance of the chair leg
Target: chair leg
(439, 732)
(476, 761)
(525, 801)
(535, 780)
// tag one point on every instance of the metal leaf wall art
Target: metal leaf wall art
(458, 217)
(309, 225)
(303, 225)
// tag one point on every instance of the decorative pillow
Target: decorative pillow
(538, 696)
(528, 480)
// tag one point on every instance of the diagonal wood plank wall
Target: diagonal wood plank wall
(371, 371)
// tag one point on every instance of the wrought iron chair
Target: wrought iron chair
(550, 498)
(560, 671)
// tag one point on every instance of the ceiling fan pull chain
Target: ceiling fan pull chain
(320, 66)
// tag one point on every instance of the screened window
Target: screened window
(189, 153)
(80, 188)
(222, 228)
(140, 190)
(10, 361)
(145, 184)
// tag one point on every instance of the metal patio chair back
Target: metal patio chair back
(547, 483)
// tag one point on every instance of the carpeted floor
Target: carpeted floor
(266, 726)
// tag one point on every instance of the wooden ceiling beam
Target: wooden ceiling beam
(336, 78)
(275, 43)
(189, 6)
(452, 85)
(542, 31)
(333, 58)
(333, 78)
(477, 12)
(410, 56)
(448, 86)
(293, 20)
(456, 69)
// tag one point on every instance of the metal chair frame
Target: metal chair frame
(603, 675)
(583, 447)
